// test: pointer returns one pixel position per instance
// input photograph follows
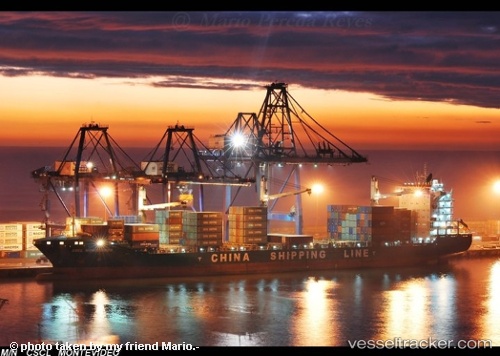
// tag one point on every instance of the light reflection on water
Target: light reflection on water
(314, 323)
(460, 301)
(491, 323)
(418, 308)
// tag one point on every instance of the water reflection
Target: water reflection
(444, 305)
(491, 324)
(315, 321)
(71, 318)
(460, 301)
(419, 308)
(406, 312)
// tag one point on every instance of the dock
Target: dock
(22, 268)
(481, 251)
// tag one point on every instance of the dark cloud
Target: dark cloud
(433, 56)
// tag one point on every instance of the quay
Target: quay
(22, 267)
(481, 251)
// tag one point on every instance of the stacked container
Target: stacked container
(32, 231)
(247, 224)
(202, 228)
(404, 223)
(116, 229)
(11, 237)
(74, 225)
(142, 236)
(368, 224)
(16, 239)
(170, 225)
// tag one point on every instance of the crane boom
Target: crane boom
(375, 194)
(162, 205)
(184, 200)
(265, 198)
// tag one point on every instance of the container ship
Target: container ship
(182, 240)
(182, 243)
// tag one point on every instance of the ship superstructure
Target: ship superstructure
(430, 204)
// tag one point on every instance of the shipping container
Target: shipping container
(142, 236)
(35, 233)
(11, 234)
(116, 223)
(132, 228)
(145, 244)
(238, 224)
(248, 210)
(11, 240)
(33, 226)
(9, 227)
(11, 247)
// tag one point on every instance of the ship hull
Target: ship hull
(81, 258)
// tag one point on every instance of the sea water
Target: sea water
(455, 304)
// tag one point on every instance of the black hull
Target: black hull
(80, 258)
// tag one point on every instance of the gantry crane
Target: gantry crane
(101, 160)
(93, 157)
(282, 135)
(179, 165)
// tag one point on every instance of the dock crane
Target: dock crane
(279, 140)
(93, 158)
(180, 165)
(273, 143)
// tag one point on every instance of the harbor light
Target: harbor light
(238, 140)
(105, 192)
(496, 186)
(317, 189)
(100, 243)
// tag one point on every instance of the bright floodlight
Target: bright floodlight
(238, 140)
(317, 188)
(496, 187)
(105, 192)
(100, 242)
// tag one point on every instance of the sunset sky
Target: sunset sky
(397, 80)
